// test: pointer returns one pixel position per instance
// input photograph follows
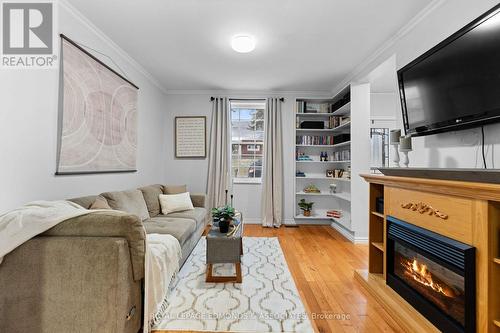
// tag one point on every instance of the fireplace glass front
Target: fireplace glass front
(438, 284)
(434, 273)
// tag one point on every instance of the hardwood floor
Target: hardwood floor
(322, 263)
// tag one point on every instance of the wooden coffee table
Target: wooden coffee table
(223, 249)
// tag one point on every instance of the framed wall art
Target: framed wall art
(191, 137)
(97, 115)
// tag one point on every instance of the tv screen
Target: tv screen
(457, 83)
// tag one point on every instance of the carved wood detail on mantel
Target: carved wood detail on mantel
(424, 208)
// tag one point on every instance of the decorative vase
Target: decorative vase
(406, 159)
(395, 158)
(307, 213)
(224, 226)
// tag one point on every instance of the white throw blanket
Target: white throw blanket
(164, 254)
(24, 223)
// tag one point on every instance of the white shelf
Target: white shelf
(344, 127)
(343, 196)
(318, 214)
(324, 178)
(325, 162)
(313, 115)
(347, 143)
(317, 146)
(315, 129)
(312, 217)
(343, 144)
(344, 110)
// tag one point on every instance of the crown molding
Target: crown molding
(122, 53)
(254, 93)
(358, 70)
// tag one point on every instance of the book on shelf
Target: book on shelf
(336, 121)
(304, 107)
(317, 140)
(335, 213)
(301, 106)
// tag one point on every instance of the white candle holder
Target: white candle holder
(395, 154)
(406, 160)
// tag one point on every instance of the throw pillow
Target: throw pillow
(151, 194)
(131, 201)
(175, 189)
(171, 203)
(100, 203)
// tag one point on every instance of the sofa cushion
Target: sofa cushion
(181, 229)
(100, 203)
(151, 195)
(85, 202)
(174, 189)
(198, 199)
(197, 214)
(131, 201)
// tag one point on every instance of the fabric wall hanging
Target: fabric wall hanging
(97, 115)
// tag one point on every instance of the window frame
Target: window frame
(239, 142)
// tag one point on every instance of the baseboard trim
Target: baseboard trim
(247, 220)
(286, 222)
(344, 232)
(360, 240)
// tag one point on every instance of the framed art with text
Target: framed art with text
(191, 137)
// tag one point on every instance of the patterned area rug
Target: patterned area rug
(266, 301)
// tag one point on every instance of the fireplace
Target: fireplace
(435, 274)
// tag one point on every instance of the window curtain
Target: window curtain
(272, 173)
(218, 163)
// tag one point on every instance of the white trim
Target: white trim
(251, 220)
(360, 240)
(344, 232)
(252, 93)
(389, 43)
(98, 32)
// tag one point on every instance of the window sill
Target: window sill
(257, 181)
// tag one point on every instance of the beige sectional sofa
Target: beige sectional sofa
(86, 274)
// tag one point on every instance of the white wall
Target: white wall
(449, 150)
(28, 128)
(360, 159)
(193, 172)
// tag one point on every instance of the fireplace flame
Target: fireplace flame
(421, 274)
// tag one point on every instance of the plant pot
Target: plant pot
(307, 213)
(224, 226)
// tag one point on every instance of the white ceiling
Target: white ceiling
(306, 45)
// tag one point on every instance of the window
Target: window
(247, 132)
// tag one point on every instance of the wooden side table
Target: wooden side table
(222, 249)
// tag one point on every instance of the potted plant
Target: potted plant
(306, 207)
(223, 216)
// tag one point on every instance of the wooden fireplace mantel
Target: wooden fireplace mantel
(465, 211)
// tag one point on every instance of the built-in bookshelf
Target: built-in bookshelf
(322, 159)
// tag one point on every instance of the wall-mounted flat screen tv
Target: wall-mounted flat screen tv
(456, 84)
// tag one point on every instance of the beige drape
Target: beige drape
(218, 163)
(272, 173)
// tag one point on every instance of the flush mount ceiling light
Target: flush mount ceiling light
(243, 43)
